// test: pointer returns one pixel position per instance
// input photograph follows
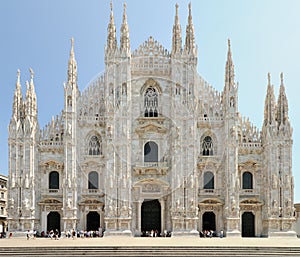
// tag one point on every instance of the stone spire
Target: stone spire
(269, 112)
(190, 37)
(125, 40)
(111, 31)
(176, 40)
(30, 103)
(229, 70)
(282, 105)
(18, 98)
(72, 66)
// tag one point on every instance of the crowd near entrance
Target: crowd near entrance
(151, 217)
(248, 224)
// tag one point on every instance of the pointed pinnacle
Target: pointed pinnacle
(269, 78)
(18, 76)
(31, 74)
(111, 13)
(72, 47)
(124, 14)
(281, 78)
(190, 14)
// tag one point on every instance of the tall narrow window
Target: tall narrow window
(53, 180)
(151, 152)
(95, 146)
(151, 102)
(209, 182)
(207, 146)
(247, 180)
(93, 180)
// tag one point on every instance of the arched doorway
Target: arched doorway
(248, 224)
(92, 221)
(53, 221)
(151, 215)
(209, 221)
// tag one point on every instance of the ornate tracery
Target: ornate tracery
(151, 102)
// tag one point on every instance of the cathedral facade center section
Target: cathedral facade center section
(149, 145)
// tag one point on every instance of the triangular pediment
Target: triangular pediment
(251, 201)
(151, 47)
(212, 201)
(153, 124)
(51, 201)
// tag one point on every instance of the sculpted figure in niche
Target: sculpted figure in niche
(69, 203)
(26, 204)
(178, 205)
(274, 181)
(124, 210)
(26, 181)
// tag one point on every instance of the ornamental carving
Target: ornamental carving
(151, 188)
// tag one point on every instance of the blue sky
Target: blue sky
(265, 37)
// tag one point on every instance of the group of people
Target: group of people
(84, 233)
(31, 234)
(211, 233)
(155, 233)
(54, 234)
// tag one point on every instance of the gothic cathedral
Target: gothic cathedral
(150, 145)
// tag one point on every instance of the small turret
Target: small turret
(18, 99)
(111, 32)
(30, 103)
(230, 97)
(72, 66)
(190, 35)
(125, 40)
(269, 111)
(282, 106)
(229, 71)
(176, 40)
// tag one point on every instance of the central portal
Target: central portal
(151, 215)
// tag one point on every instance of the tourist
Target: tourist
(28, 234)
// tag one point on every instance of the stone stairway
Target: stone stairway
(172, 251)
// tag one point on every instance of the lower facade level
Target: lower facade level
(154, 215)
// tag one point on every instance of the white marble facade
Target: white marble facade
(151, 145)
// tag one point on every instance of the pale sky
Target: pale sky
(265, 37)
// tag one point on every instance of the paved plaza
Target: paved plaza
(136, 241)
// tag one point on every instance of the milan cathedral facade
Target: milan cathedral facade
(150, 144)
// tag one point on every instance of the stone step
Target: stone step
(150, 251)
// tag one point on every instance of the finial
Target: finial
(190, 8)
(281, 78)
(124, 13)
(72, 45)
(229, 43)
(269, 78)
(176, 6)
(18, 76)
(27, 84)
(111, 6)
(31, 73)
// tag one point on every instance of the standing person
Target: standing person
(221, 233)
(34, 234)
(27, 234)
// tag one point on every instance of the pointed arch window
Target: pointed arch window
(247, 180)
(93, 180)
(150, 152)
(207, 146)
(53, 180)
(151, 102)
(95, 146)
(209, 182)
